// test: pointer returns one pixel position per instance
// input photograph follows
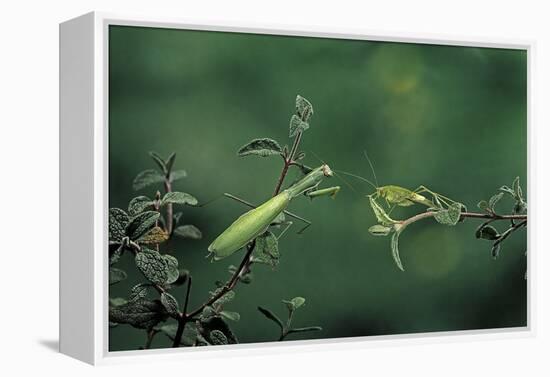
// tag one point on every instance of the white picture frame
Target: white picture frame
(84, 179)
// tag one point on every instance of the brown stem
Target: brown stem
(474, 215)
(150, 335)
(169, 208)
(289, 161)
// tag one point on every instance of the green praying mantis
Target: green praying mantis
(256, 221)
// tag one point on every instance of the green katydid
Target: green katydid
(256, 221)
(400, 196)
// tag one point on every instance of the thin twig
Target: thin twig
(169, 207)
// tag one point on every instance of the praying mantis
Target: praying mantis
(256, 221)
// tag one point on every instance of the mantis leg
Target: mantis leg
(288, 225)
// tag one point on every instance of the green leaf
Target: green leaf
(495, 250)
(207, 313)
(172, 272)
(487, 232)
(260, 147)
(117, 301)
(381, 215)
(272, 316)
(146, 178)
(159, 161)
(170, 162)
(227, 297)
(188, 231)
(179, 198)
(154, 236)
(142, 314)
(116, 275)
(508, 190)
(141, 224)
(304, 109)
(395, 250)
(267, 249)
(152, 265)
(118, 220)
(449, 216)
(139, 204)
(170, 303)
(217, 323)
(232, 316)
(483, 205)
(518, 192)
(380, 230)
(177, 175)
(305, 329)
(139, 291)
(297, 125)
(169, 330)
(217, 337)
(494, 200)
(295, 303)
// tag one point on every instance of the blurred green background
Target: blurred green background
(451, 118)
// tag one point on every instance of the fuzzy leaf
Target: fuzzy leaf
(139, 204)
(116, 275)
(395, 250)
(304, 109)
(170, 162)
(217, 323)
(154, 236)
(483, 205)
(495, 250)
(159, 161)
(260, 147)
(295, 303)
(297, 125)
(305, 329)
(381, 215)
(267, 249)
(170, 303)
(152, 265)
(172, 273)
(118, 220)
(380, 230)
(117, 301)
(139, 291)
(449, 216)
(177, 175)
(272, 316)
(487, 232)
(179, 198)
(232, 316)
(227, 297)
(494, 200)
(141, 224)
(146, 178)
(142, 314)
(188, 231)
(217, 338)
